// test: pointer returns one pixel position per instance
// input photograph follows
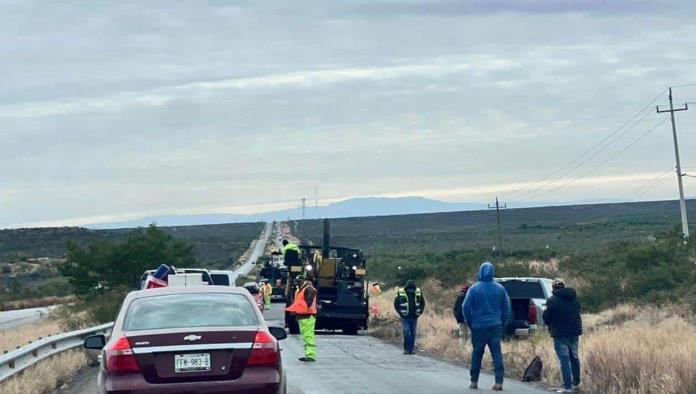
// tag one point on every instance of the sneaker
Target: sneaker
(473, 386)
(497, 387)
(407, 352)
(576, 388)
(564, 390)
(306, 360)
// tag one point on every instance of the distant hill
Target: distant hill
(218, 245)
(367, 206)
(561, 229)
(354, 207)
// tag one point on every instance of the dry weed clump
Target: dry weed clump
(47, 375)
(626, 349)
(21, 335)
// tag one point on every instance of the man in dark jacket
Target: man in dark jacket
(459, 314)
(563, 317)
(487, 310)
(409, 304)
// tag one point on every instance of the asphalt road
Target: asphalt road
(351, 364)
(11, 319)
(354, 364)
(255, 253)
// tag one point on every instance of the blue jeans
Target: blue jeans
(567, 352)
(480, 338)
(409, 325)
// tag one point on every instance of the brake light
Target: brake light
(533, 314)
(120, 358)
(264, 351)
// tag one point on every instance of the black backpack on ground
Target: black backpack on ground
(533, 371)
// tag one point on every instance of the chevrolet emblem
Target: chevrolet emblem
(192, 337)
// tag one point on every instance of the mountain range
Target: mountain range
(363, 206)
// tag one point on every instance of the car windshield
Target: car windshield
(523, 289)
(220, 279)
(189, 310)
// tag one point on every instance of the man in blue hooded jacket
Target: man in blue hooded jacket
(486, 309)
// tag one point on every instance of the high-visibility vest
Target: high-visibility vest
(403, 302)
(290, 246)
(299, 306)
(267, 289)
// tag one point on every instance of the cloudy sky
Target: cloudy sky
(113, 110)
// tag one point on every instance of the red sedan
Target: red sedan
(207, 339)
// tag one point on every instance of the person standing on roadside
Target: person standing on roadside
(267, 291)
(459, 313)
(486, 310)
(305, 309)
(375, 290)
(564, 319)
(409, 304)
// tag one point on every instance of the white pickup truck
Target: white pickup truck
(528, 298)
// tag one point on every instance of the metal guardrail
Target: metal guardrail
(13, 362)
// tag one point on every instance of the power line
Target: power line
(660, 183)
(583, 162)
(648, 185)
(684, 85)
(591, 170)
(593, 148)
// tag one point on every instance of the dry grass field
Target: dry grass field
(47, 375)
(626, 349)
(20, 336)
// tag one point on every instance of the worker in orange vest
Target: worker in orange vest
(305, 309)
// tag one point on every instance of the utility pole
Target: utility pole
(497, 208)
(304, 202)
(316, 201)
(680, 175)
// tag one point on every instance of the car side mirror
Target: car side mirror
(278, 332)
(96, 342)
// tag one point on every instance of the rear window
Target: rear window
(220, 279)
(189, 310)
(523, 289)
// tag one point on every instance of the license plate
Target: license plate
(191, 362)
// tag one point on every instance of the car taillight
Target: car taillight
(264, 351)
(532, 314)
(120, 357)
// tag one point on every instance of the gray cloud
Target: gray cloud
(119, 109)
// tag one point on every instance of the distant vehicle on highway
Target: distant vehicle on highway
(528, 298)
(201, 339)
(222, 278)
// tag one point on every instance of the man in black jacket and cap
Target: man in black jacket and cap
(563, 317)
